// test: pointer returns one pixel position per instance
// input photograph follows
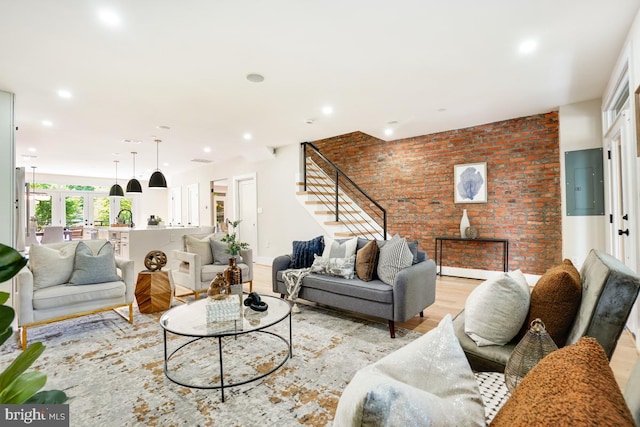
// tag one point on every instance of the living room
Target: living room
(547, 237)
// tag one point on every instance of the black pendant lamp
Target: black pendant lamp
(116, 190)
(133, 186)
(157, 180)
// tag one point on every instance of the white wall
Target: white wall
(282, 220)
(580, 129)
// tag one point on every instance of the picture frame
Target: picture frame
(470, 183)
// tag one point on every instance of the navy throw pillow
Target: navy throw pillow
(303, 252)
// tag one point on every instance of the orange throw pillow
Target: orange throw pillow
(367, 261)
(573, 386)
(556, 299)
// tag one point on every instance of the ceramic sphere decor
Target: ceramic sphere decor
(155, 260)
(471, 233)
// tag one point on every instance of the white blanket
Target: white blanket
(293, 280)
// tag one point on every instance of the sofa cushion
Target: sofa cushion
(303, 251)
(339, 249)
(428, 382)
(573, 386)
(89, 268)
(394, 256)
(375, 290)
(51, 265)
(200, 246)
(367, 261)
(63, 295)
(509, 302)
(555, 300)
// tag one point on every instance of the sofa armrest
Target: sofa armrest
(280, 263)
(24, 295)
(414, 289)
(127, 273)
(247, 258)
(189, 279)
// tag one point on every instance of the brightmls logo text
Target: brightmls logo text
(35, 415)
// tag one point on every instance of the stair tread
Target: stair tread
(333, 212)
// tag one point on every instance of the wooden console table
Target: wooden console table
(441, 240)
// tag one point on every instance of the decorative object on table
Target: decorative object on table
(531, 349)
(152, 220)
(155, 260)
(233, 273)
(470, 183)
(222, 310)
(471, 233)
(153, 291)
(219, 289)
(254, 302)
(464, 224)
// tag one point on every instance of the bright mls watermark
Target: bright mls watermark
(34, 415)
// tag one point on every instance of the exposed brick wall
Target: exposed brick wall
(413, 179)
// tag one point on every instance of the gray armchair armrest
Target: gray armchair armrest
(24, 295)
(281, 262)
(128, 275)
(414, 288)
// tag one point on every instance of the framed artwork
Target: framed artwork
(470, 183)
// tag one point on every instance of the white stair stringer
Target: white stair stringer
(319, 185)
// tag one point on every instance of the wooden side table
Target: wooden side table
(153, 291)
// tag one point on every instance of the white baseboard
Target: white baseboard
(263, 260)
(471, 273)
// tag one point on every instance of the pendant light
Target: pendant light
(116, 190)
(32, 194)
(133, 186)
(157, 180)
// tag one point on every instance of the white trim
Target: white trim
(471, 273)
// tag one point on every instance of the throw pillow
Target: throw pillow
(572, 386)
(394, 256)
(428, 382)
(219, 251)
(339, 249)
(89, 268)
(367, 261)
(51, 266)
(303, 252)
(556, 299)
(200, 246)
(341, 267)
(495, 310)
(413, 247)
(319, 265)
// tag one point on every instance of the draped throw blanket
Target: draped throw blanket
(293, 280)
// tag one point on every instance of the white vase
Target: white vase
(464, 223)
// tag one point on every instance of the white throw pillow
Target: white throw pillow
(201, 247)
(428, 382)
(394, 256)
(51, 266)
(335, 249)
(496, 309)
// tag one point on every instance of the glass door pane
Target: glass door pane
(101, 211)
(74, 210)
(41, 211)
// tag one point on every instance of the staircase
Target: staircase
(337, 203)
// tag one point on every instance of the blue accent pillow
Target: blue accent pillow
(89, 268)
(303, 252)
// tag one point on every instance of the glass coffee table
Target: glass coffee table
(228, 321)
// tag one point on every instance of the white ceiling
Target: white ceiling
(430, 65)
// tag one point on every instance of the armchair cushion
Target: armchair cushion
(200, 246)
(90, 268)
(51, 265)
(220, 255)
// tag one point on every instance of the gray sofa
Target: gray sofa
(414, 289)
(609, 290)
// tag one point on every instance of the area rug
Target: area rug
(113, 371)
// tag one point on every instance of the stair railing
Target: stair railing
(335, 201)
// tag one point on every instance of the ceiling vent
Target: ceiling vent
(201, 160)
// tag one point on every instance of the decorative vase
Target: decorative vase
(233, 275)
(464, 223)
(219, 289)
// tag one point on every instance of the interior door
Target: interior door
(247, 211)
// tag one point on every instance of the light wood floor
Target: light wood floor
(451, 293)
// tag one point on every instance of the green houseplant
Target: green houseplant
(233, 246)
(16, 385)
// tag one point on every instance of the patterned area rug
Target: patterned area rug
(113, 371)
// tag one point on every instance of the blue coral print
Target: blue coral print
(470, 183)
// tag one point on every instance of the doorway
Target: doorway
(246, 209)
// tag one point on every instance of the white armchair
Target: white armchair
(202, 257)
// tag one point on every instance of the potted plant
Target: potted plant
(233, 273)
(16, 385)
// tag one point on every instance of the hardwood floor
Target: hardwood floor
(451, 294)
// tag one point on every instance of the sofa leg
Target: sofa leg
(131, 313)
(282, 296)
(392, 329)
(250, 286)
(23, 337)
(422, 314)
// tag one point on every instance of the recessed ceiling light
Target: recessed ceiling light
(207, 149)
(164, 127)
(327, 110)
(309, 121)
(132, 141)
(247, 136)
(165, 164)
(388, 131)
(109, 17)
(47, 123)
(255, 78)
(441, 110)
(392, 122)
(31, 150)
(527, 46)
(115, 154)
(63, 93)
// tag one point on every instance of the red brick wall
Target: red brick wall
(413, 179)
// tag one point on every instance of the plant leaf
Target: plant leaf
(25, 386)
(11, 262)
(20, 364)
(6, 319)
(48, 397)
(4, 297)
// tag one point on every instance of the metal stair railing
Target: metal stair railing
(341, 182)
